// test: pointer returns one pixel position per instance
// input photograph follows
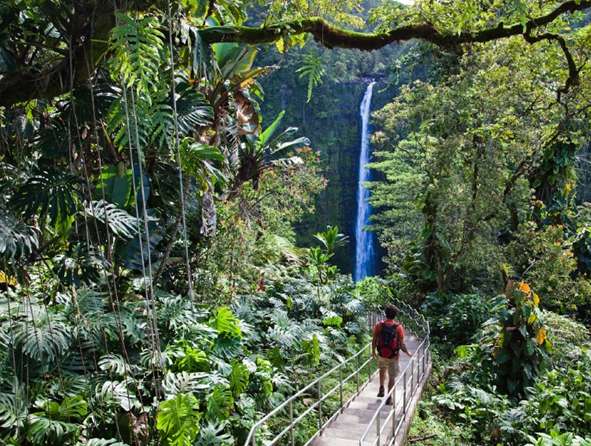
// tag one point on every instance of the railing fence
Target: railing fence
(345, 382)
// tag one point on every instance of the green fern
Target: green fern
(117, 120)
(201, 161)
(193, 111)
(137, 45)
(313, 70)
(178, 420)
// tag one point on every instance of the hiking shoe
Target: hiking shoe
(389, 401)
(381, 392)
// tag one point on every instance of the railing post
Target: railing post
(358, 372)
(341, 388)
(254, 437)
(423, 358)
(319, 405)
(394, 415)
(412, 374)
(418, 376)
(404, 396)
(291, 423)
(379, 429)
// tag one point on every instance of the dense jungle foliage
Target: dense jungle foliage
(151, 287)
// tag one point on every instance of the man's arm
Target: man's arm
(374, 341)
(402, 343)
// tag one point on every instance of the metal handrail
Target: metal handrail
(416, 324)
(422, 357)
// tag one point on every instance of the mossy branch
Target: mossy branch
(332, 36)
(22, 85)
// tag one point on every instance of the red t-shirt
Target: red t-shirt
(399, 330)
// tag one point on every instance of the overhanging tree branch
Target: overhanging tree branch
(334, 37)
(22, 84)
(573, 71)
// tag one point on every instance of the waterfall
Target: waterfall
(364, 240)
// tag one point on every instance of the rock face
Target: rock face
(331, 121)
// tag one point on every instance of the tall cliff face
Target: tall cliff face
(331, 121)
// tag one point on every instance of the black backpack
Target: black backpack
(388, 342)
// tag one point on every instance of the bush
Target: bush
(476, 409)
(559, 400)
(567, 337)
(456, 318)
(546, 260)
(374, 292)
(559, 439)
(435, 430)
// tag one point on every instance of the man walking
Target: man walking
(388, 340)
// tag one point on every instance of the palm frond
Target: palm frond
(16, 238)
(312, 69)
(119, 221)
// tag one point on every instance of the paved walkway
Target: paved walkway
(349, 426)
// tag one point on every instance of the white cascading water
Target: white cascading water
(364, 240)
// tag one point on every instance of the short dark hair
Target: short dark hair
(391, 311)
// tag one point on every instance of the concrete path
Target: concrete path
(349, 426)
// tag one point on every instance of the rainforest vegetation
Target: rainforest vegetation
(171, 262)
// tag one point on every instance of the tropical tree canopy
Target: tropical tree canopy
(170, 265)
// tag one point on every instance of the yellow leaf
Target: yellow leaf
(541, 336)
(280, 45)
(8, 280)
(536, 299)
(532, 318)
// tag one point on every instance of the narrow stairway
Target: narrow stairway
(349, 426)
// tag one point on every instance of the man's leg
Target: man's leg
(392, 374)
(382, 370)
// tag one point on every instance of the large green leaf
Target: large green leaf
(178, 420)
(233, 58)
(219, 404)
(226, 324)
(16, 238)
(117, 186)
(49, 195)
(268, 133)
(239, 378)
